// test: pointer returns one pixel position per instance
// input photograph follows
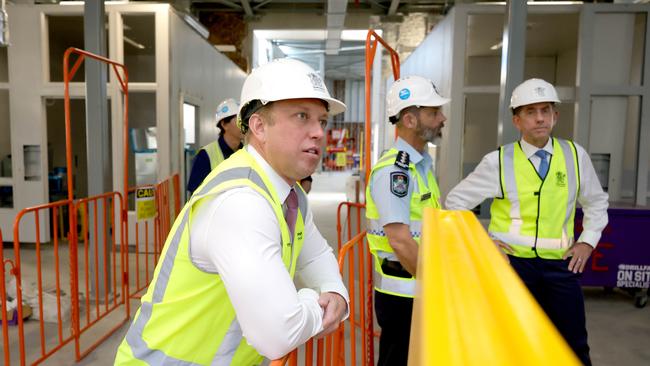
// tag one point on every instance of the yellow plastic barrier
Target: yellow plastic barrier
(472, 308)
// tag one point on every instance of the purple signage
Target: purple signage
(622, 257)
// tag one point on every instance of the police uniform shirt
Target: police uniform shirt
(237, 235)
(483, 183)
(394, 207)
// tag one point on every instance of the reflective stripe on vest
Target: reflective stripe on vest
(425, 193)
(217, 182)
(214, 153)
(535, 216)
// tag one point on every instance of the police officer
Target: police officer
(401, 185)
(223, 291)
(212, 154)
(536, 183)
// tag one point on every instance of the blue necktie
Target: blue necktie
(543, 164)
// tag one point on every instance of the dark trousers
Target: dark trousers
(558, 292)
(394, 317)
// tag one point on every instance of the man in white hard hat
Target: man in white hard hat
(223, 292)
(401, 184)
(212, 154)
(536, 183)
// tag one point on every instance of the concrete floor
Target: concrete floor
(619, 333)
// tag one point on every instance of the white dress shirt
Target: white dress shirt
(237, 235)
(483, 183)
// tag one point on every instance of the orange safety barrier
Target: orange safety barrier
(3, 306)
(146, 241)
(106, 243)
(371, 47)
(350, 220)
(150, 236)
(47, 261)
(77, 299)
(101, 298)
(358, 276)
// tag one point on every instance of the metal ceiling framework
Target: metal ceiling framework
(337, 57)
(372, 7)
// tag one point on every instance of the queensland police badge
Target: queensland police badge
(399, 183)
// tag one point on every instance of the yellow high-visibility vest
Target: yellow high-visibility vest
(425, 194)
(534, 215)
(186, 317)
(214, 153)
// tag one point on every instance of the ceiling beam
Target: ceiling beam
(261, 5)
(230, 4)
(247, 8)
(336, 11)
(393, 7)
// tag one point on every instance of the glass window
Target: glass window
(551, 48)
(483, 49)
(5, 135)
(6, 197)
(626, 67)
(142, 128)
(56, 147)
(65, 31)
(139, 35)
(480, 135)
(614, 144)
(189, 123)
(564, 126)
(4, 68)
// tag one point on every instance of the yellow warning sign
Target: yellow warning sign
(341, 159)
(145, 205)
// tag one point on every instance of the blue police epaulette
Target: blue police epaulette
(402, 160)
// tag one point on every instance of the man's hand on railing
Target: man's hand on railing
(335, 308)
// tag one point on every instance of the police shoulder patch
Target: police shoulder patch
(402, 160)
(399, 183)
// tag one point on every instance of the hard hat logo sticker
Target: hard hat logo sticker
(316, 81)
(540, 91)
(404, 94)
(224, 109)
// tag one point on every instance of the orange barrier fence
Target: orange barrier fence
(355, 263)
(82, 278)
(64, 311)
(3, 305)
(146, 239)
(371, 48)
(47, 268)
(350, 220)
(150, 235)
(104, 256)
(75, 286)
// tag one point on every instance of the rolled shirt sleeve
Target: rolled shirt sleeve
(479, 185)
(593, 199)
(317, 266)
(274, 316)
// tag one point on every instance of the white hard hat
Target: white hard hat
(412, 91)
(533, 91)
(227, 108)
(284, 79)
